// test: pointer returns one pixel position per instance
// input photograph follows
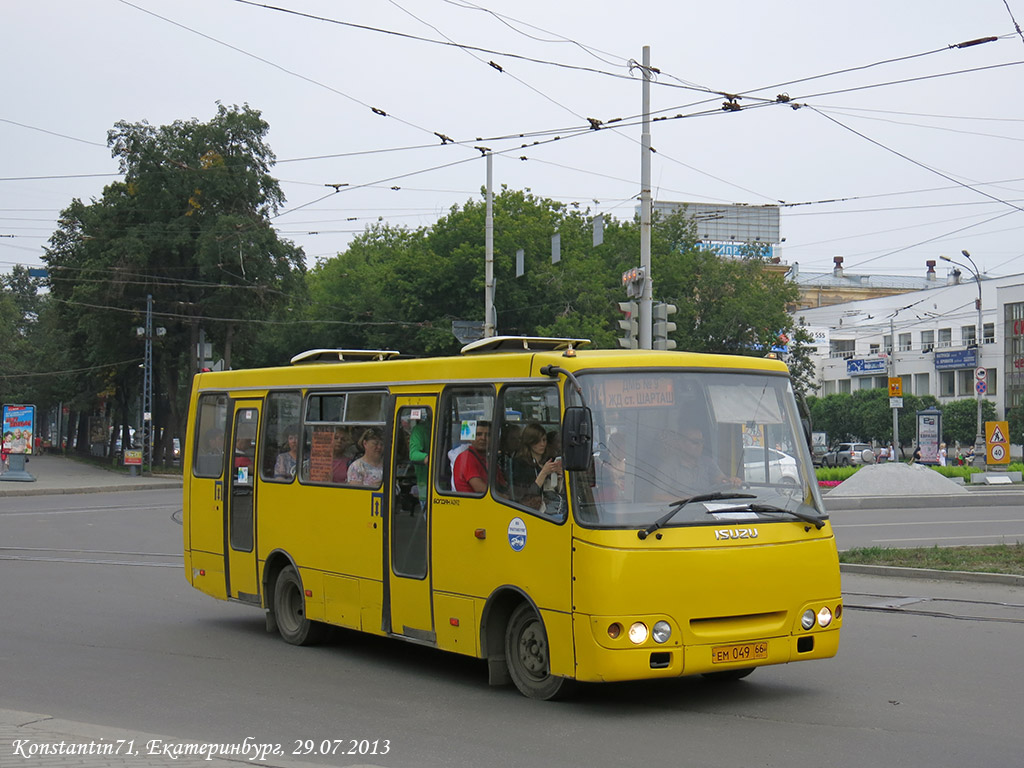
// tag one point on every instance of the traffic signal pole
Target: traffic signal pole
(645, 322)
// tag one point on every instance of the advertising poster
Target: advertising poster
(19, 428)
(929, 429)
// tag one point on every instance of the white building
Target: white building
(932, 336)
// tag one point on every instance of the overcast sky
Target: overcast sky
(896, 162)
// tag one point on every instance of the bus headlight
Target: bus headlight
(824, 617)
(638, 633)
(807, 620)
(662, 632)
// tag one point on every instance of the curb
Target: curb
(926, 573)
(19, 491)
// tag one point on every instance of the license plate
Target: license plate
(724, 654)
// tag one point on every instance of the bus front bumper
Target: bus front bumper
(612, 660)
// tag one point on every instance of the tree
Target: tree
(190, 226)
(732, 306)
(402, 289)
(960, 419)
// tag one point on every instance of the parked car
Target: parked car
(848, 455)
(781, 466)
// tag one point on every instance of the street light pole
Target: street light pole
(979, 438)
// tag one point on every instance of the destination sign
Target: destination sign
(638, 392)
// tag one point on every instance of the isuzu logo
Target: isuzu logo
(735, 533)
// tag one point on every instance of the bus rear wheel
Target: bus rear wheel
(290, 611)
(529, 661)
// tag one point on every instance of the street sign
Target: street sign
(980, 386)
(980, 374)
(997, 442)
(895, 386)
(895, 402)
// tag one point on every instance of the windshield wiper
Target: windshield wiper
(768, 509)
(677, 505)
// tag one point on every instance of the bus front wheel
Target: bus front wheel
(528, 657)
(290, 611)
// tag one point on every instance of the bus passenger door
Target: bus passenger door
(240, 511)
(409, 519)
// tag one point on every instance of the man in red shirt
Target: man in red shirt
(470, 471)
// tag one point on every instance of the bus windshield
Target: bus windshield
(661, 436)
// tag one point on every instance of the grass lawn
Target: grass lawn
(1001, 558)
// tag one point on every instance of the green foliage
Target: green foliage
(960, 419)
(999, 558)
(189, 225)
(402, 289)
(866, 415)
(834, 474)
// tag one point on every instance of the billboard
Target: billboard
(729, 222)
(19, 428)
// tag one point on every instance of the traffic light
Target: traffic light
(661, 326)
(629, 324)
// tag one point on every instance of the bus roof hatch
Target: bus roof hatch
(342, 355)
(522, 344)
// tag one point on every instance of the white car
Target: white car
(781, 466)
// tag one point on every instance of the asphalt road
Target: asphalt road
(99, 627)
(939, 525)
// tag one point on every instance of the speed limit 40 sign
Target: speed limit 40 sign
(997, 442)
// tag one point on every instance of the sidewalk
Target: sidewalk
(56, 474)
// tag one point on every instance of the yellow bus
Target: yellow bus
(566, 514)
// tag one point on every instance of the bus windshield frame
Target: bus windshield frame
(664, 435)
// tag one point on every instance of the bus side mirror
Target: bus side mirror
(577, 439)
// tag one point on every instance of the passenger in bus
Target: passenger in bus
(470, 472)
(284, 467)
(243, 452)
(419, 456)
(535, 477)
(695, 471)
(368, 469)
(342, 443)
(554, 447)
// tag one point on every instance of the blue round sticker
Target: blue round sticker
(517, 534)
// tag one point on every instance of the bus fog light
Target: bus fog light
(824, 617)
(638, 633)
(807, 620)
(614, 630)
(662, 632)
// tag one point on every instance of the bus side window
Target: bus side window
(530, 449)
(279, 455)
(211, 426)
(465, 429)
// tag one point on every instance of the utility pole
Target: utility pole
(892, 375)
(489, 329)
(646, 297)
(980, 387)
(147, 388)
